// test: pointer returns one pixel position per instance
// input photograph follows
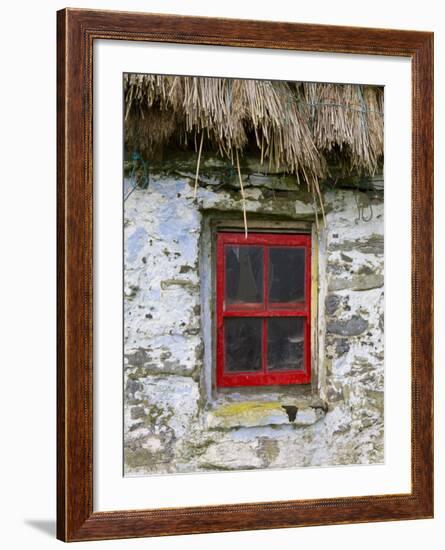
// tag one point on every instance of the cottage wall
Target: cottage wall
(175, 418)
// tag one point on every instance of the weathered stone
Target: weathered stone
(248, 413)
(169, 283)
(336, 268)
(357, 282)
(268, 450)
(342, 346)
(138, 358)
(231, 455)
(137, 412)
(381, 321)
(148, 454)
(350, 327)
(374, 244)
(346, 258)
(334, 394)
(309, 416)
(376, 399)
(133, 386)
(254, 414)
(332, 301)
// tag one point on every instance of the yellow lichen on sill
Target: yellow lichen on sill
(257, 413)
(246, 407)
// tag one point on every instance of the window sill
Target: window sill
(225, 414)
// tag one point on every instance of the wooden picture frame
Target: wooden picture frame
(76, 32)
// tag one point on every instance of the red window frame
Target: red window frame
(264, 311)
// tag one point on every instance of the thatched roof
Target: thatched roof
(296, 127)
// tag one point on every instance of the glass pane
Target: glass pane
(244, 274)
(286, 274)
(243, 344)
(285, 344)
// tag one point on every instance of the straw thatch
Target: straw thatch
(294, 127)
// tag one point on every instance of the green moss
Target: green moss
(268, 451)
(138, 459)
(158, 416)
(196, 449)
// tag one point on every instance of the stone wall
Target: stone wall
(175, 419)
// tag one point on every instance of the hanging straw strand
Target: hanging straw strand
(243, 196)
(197, 166)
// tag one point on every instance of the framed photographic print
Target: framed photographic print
(245, 226)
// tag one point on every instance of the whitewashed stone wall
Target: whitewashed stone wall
(175, 420)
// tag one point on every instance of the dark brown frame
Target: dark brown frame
(77, 30)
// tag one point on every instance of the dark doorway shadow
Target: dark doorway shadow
(47, 526)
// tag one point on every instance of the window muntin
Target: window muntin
(263, 309)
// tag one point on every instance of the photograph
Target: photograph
(253, 274)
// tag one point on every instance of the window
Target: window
(263, 309)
